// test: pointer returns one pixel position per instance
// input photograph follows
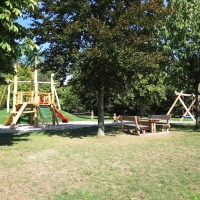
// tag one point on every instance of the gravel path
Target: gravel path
(61, 126)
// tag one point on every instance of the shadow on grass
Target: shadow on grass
(110, 130)
(14, 136)
(9, 139)
(183, 127)
(86, 117)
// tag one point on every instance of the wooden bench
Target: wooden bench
(164, 124)
(132, 121)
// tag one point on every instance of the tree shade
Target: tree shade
(107, 45)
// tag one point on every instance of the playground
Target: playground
(34, 102)
(66, 160)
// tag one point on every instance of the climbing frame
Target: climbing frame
(30, 102)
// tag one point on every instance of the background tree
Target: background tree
(69, 100)
(182, 43)
(14, 38)
(105, 44)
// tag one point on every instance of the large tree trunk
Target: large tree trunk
(198, 106)
(101, 113)
(194, 65)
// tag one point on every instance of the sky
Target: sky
(26, 23)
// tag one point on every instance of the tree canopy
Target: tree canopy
(106, 44)
(14, 38)
(181, 33)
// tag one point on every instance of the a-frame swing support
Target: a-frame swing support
(187, 109)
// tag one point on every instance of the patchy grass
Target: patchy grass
(76, 164)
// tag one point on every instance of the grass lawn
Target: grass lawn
(76, 164)
(24, 118)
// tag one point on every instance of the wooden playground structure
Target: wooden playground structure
(32, 102)
(187, 112)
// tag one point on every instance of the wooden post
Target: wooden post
(57, 99)
(187, 109)
(31, 107)
(15, 87)
(31, 98)
(52, 89)
(32, 79)
(8, 99)
(92, 114)
(36, 93)
(52, 100)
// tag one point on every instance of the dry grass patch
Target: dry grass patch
(50, 166)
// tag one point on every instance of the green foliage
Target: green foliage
(69, 100)
(181, 34)
(99, 40)
(195, 196)
(14, 38)
(110, 47)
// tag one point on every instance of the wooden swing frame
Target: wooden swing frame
(179, 94)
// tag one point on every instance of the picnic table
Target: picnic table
(151, 122)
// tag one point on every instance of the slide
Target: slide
(59, 114)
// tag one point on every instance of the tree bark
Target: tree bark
(101, 113)
(141, 111)
(198, 106)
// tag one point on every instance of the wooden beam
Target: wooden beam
(41, 82)
(183, 94)
(187, 109)
(36, 93)
(178, 97)
(57, 99)
(8, 99)
(52, 89)
(15, 87)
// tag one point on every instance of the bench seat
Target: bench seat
(129, 122)
(162, 125)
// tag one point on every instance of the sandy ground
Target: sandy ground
(61, 126)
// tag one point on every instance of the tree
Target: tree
(14, 38)
(69, 100)
(105, 44)
(182, 43)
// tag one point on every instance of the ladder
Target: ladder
(9, 120)
(18, 113)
